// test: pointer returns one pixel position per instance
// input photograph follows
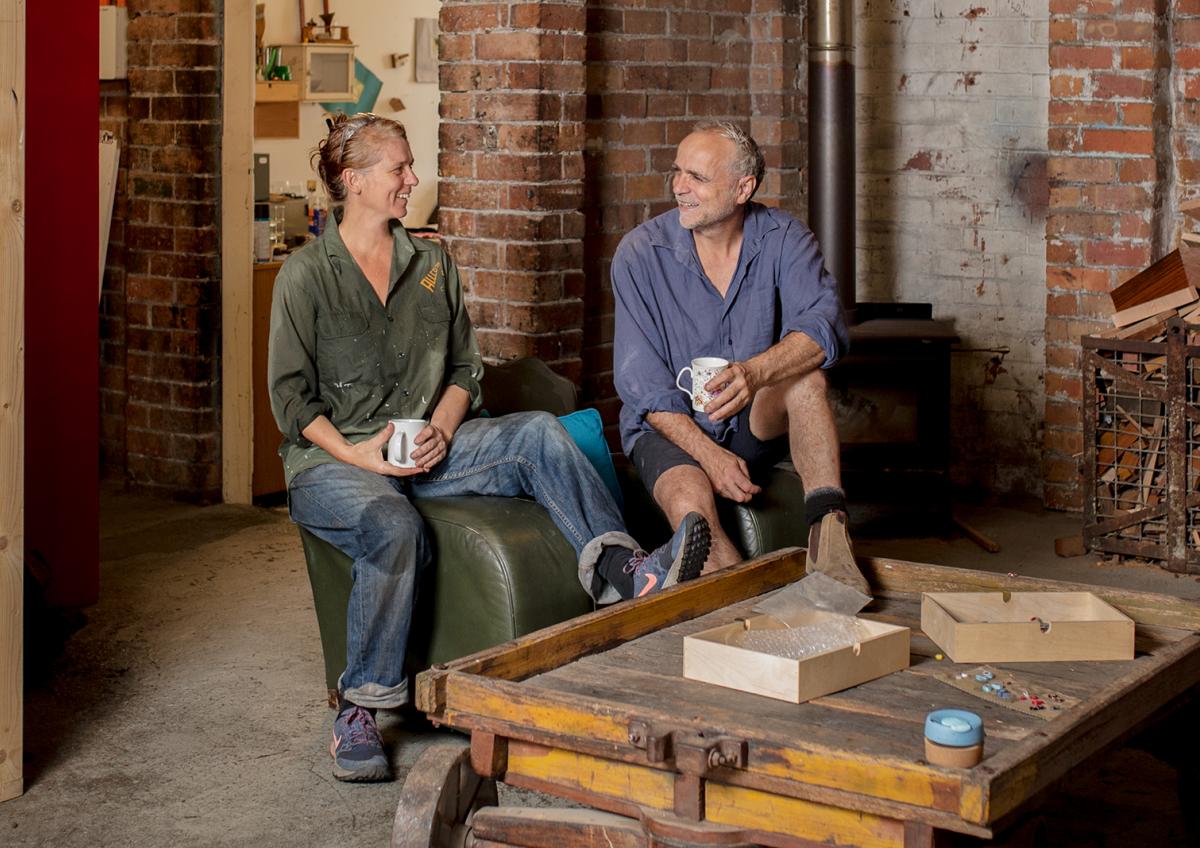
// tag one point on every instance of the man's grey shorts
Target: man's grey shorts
(653, 454)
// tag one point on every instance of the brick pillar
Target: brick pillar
(511, 172)
(172, 291)
(1100, 230)
(779, 107)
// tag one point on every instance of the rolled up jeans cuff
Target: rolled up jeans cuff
(590, 556)
(376, 697)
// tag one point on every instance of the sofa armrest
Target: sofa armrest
(502, 569)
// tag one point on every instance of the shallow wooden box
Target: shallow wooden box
(983, 627)
(708, 657)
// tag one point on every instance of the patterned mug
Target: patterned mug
(702, 369)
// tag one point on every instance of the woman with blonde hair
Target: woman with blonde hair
(369, 324)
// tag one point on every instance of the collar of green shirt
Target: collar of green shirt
(402, 248)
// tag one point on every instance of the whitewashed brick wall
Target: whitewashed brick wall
(952, 192)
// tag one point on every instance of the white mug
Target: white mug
(404, 441)
(702, 369)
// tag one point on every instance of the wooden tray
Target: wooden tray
(713, 656)
(987, 627)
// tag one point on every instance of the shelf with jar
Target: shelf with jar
(323, 69)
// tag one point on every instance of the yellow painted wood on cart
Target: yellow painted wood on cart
(913, 783)
(750, 808)
(468, 695)
(644, 786)
(974, 803)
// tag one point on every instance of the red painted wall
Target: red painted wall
(62, 512)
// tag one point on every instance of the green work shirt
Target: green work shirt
(336, 350)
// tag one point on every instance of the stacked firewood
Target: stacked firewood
(1144, 303)
(1130, 464)
(1131, 434)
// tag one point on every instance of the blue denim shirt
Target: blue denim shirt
(668, 313)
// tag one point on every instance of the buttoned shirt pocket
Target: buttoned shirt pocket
(435, 315)
(339, 348)
(434, 308)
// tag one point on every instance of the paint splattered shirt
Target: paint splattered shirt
(336, 350)
(668, 313)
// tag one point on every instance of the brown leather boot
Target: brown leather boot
(829, 552)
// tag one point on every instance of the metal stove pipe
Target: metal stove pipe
(831, 190)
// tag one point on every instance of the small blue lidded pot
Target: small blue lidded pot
(953, 738)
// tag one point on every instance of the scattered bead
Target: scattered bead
(987, 675)
(938, 657)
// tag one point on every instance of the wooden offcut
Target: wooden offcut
(1000, 627)
(714, 656)
(1070, 546)
(12, 394)
(277, 120)
(1167, 284)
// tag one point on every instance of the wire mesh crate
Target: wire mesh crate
(1141, 423)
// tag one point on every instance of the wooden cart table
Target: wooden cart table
(596, 710)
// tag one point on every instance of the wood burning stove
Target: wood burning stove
(891, 398)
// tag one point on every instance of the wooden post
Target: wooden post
(237, 218)
(12, 392)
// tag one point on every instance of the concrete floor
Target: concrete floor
(189, 707)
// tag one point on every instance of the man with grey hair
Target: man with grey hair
(721, 276)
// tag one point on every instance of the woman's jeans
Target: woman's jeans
(368, 516)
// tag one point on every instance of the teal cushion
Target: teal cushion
(587, 431)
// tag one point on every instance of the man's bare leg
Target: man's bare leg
(684, 489)
(800, 407)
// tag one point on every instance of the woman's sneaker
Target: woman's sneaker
(678, 561)
(357, 747)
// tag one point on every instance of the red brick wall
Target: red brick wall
(162, 292)
(1113, 189)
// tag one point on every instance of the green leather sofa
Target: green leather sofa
(501, 569)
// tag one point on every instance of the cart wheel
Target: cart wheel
(438, 798)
